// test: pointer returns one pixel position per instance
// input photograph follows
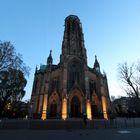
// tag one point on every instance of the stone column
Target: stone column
(64, 108)
(104, 103)
(44, 111)
(40, 104)
(88, 103)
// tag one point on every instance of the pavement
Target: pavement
(84, 134)
(118, 129)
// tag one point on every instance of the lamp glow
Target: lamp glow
(104, 108)
(88, 109)
(64, 109)
(44, 112)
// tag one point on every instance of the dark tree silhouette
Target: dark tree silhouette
(11, 86)
(12, 75)
(130, 77)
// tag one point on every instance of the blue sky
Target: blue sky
(111, 31)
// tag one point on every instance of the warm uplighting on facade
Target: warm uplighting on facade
(88, 109)
(64, 109)
(44, 112)
(104, 106)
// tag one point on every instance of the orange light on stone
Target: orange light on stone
(88, 109)
(64, 109)
(44, 112)
(104, 106)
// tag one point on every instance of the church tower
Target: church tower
(73, 39)
(70, 88)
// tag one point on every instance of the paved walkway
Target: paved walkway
(94, 134)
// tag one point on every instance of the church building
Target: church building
(70, 88)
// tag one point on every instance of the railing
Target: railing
(68, 124)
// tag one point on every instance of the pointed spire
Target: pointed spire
(50, 53)
(96, 64)
(50, 59)
(36, 69)
(95, 57)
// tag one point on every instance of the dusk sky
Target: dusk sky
(111, 31)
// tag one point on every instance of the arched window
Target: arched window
(68, 27)
(75, 74)
(73, 26)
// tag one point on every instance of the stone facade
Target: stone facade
(71, 88)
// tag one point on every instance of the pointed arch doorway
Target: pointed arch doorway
(53, 109)
(75, 107)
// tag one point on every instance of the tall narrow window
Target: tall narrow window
(75, 74)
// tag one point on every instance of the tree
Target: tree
(18, 109)
(12, 86)
(112, 98)
(130, 77)
(10, 59)
(121, 106)
(12, 75)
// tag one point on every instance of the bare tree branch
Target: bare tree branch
(9, 58)
(127, 74)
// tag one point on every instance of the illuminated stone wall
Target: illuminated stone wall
(88, 110)
(104, 105)
(40, 104)
(44, 111)
(64, 109)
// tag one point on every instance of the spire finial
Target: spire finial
(95, 57)
(96, 64)
(36, 69)
(50, 52)
(50, 59)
